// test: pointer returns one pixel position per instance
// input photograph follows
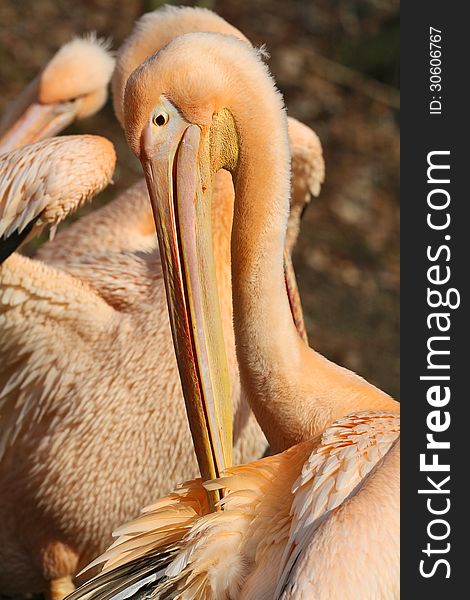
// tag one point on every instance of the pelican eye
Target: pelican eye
(160, 119)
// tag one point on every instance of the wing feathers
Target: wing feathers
(43, 182)
(350, 449)
(271, 511)
(42, 312)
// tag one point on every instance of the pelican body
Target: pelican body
(321, 519)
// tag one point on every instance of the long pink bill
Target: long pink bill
(181, 204)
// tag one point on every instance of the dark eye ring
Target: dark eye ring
(160, 119)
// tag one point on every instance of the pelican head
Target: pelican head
(153, 31)
(73, 85)
(179, 114)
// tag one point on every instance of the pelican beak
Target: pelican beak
(37, 122)
(179, 181)
(294, 296)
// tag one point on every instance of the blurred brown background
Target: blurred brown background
(336, 61)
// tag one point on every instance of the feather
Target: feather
(43, 182)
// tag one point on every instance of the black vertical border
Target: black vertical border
(420, 134)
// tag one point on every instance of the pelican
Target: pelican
(84, 319)
(321, 519)
(73, 85)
